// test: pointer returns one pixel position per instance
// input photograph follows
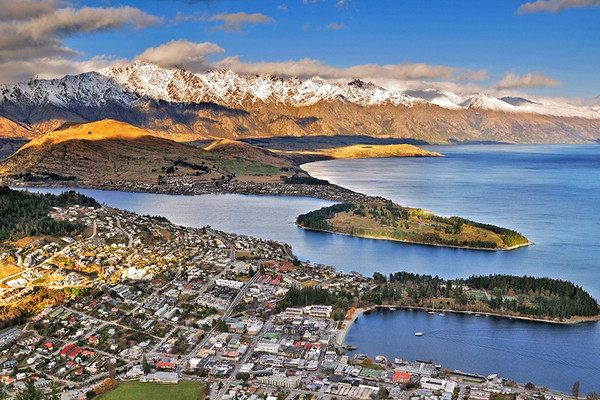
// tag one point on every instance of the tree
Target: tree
(592, 396)
(575, 389)
(54, 395)
(221, 326)
(112, 373)
(29, 392)
(529, 386)
(3, 394)
(145, 365)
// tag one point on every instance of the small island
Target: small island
(382, 219)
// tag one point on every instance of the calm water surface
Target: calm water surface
(551, 194)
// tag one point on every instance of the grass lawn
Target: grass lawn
(184, 390)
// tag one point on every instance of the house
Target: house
(165, 365)
(400, 377)
(63, 352)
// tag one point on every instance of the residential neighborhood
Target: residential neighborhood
(149, 301)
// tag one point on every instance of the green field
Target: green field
(184, 390)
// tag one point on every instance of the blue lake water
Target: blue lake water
(551, 194)
(545, 354)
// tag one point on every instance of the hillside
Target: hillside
(386, 220)
(183, 106)
(109, 150)
(370, 151)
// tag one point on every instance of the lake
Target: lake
(549, 193)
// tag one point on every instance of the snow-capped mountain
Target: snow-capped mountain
(178, 103)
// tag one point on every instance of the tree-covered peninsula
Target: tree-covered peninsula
(516, 296)
(382, 219)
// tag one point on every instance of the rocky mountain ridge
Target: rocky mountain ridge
(182, 105)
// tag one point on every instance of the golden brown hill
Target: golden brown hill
(110, 150)
(10, 129)
(371, 151)
(250, 152)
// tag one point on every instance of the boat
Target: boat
(392, 308)
(419, 334)
(349, 347)
(442, 314)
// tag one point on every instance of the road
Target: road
(243, 360)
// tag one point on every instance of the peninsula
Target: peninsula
(382, 219)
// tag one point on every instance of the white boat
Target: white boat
(442, 314)
(392, 308)
(419, 334)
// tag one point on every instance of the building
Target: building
(161, 377)
(290, 382)
(229, 283)
(438, 384)
(267, 347)
(400, 377)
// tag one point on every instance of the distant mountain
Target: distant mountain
(109, 150)
(183, 106)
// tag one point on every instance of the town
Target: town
(137, 298)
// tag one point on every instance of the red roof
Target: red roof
(162, 364)
(67, 349)
(400, 376)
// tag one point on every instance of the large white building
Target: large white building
(230, 284)
(438, 384)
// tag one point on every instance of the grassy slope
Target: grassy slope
(370, 151)
(184, 390)
(112, 150)
(393, 222)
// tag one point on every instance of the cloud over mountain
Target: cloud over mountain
(181, 52)
(528, 80)
(555, 6)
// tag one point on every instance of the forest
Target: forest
(504, 294)
(25, 214)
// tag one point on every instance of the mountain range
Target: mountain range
(184, 106)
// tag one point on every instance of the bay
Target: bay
(549, 355)
(551, 194)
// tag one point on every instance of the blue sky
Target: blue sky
(540, 48)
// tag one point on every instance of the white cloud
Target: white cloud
(282, 7)
(236, 22)
(341, 3)
(307, 68)
(11, 10)
(336, 27)
(555, 6)
(528, 80)
(32, 34)
(193, 56)
(54, 67)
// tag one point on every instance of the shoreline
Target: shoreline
(341, 335)
(419, 243)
